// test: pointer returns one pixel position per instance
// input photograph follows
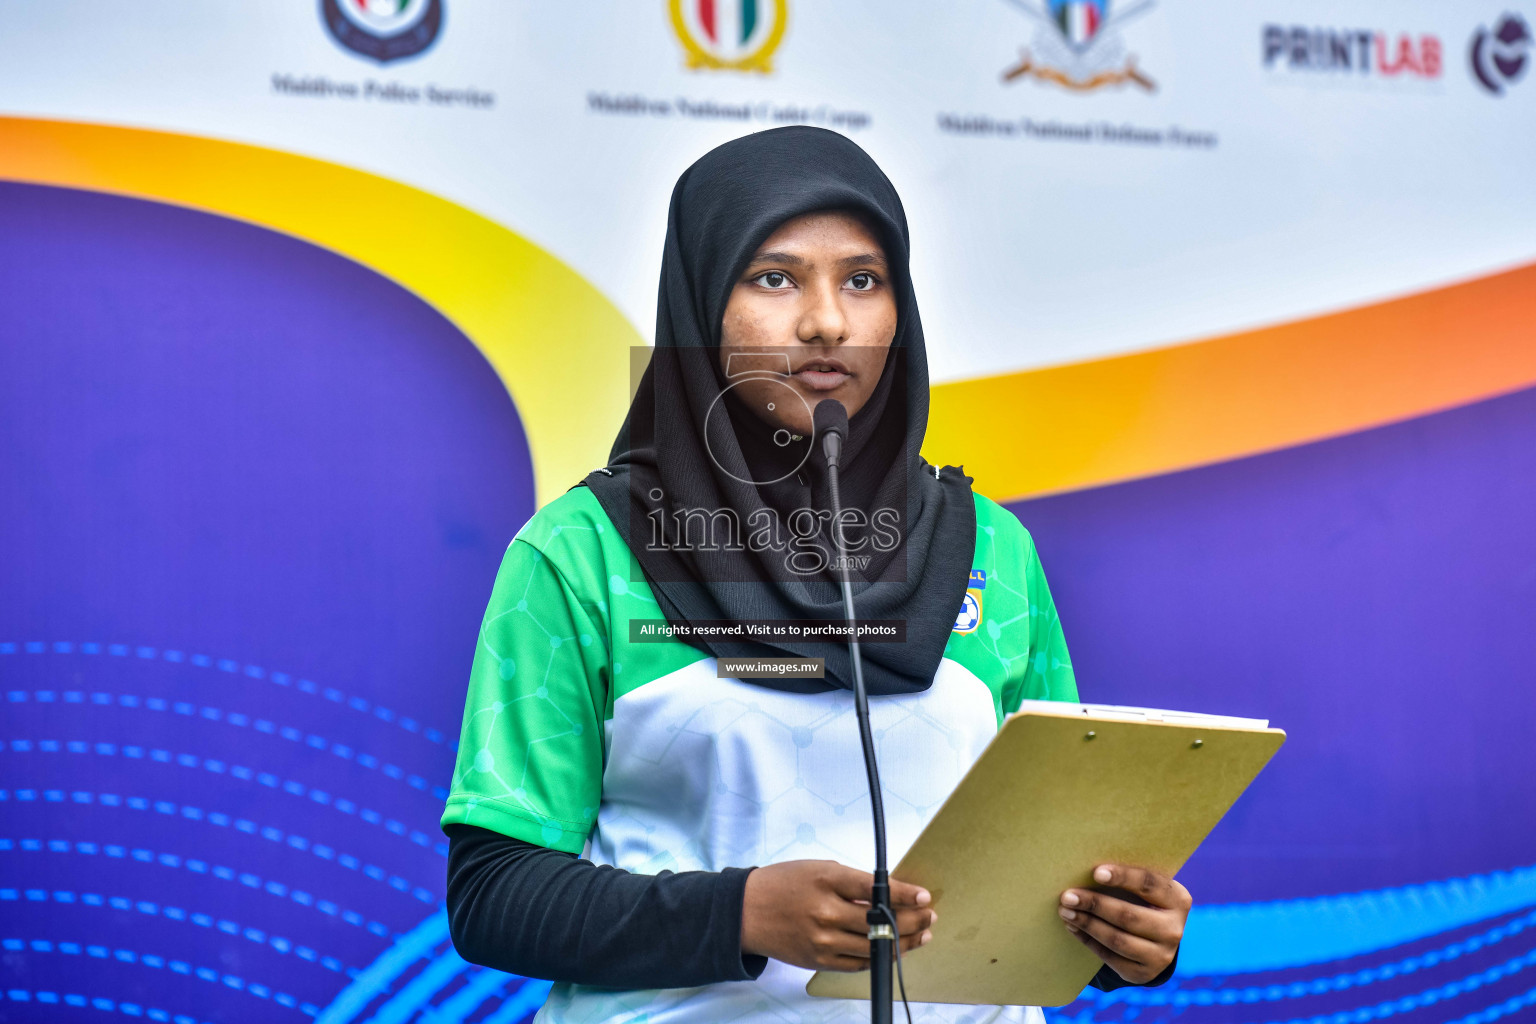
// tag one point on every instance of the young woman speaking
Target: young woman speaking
(725, 823)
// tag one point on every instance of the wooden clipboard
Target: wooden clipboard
(1061, 789)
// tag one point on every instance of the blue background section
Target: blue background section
(252, 499)
(1375, 596)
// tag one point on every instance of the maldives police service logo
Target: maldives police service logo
(1500, 56)
(970, 613)
(730, 35)
(1078, 45)
(383, 30)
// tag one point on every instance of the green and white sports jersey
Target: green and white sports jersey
(635, 754)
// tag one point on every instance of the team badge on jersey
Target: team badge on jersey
(383, 30)
(970, 613)
(733, 35)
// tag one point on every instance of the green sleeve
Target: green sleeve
(1048, 669)
(530, 761)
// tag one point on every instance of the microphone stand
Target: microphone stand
(881, 920)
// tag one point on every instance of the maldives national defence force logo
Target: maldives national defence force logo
(730, 35)
(1078, 45)
(383, 30)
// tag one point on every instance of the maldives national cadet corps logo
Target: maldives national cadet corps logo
(383, 30)
(1078, 45)
(731, 35)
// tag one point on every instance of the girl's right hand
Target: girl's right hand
(808, 913)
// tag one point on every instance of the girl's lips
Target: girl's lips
(822, 380)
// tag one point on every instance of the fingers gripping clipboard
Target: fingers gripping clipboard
(1060, 789)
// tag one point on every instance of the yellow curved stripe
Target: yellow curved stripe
(1081, 425)
(560, 347)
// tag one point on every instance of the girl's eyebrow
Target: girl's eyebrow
(777, 257)
(863, 259)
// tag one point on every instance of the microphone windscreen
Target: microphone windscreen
(830, 417)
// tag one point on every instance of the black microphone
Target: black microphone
(830, 421)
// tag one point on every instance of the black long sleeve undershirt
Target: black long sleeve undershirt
(541, 913)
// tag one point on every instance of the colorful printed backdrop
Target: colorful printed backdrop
(308, 306)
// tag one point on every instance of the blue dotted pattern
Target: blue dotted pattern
(1382, 1010)
(1315, 986)
(46, 998)
(426, 957)
(487, 984)
(1428, 997)
(69, 897)
(235, 718)
(233, 667)
(465, 1000)
(199, 867)
(1249, 938)
(222, 820)
(150, 960)
(235, 771)
(1488, 1015)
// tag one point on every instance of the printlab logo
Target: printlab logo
(730, 35)
(1337, 54)
(1499, 57)
(1078, 45)
(383, 30)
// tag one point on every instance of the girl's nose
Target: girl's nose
(823, 318)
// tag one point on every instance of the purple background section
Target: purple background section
(221, 436)
(1375, 596)
(283, 484)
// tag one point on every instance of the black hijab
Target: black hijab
(683, 447)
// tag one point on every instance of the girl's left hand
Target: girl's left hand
(1137, 936)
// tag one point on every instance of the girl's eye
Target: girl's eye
(862, 282)
(773, 279)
